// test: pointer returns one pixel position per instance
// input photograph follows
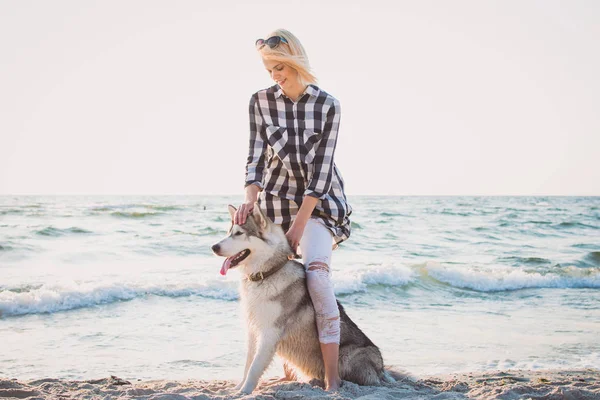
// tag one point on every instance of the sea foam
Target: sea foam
(69, 295)
(503, 278)
(359, 280)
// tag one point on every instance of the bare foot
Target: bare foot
(333, 385)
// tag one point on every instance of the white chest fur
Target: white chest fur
(260, 304)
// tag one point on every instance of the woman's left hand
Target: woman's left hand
(294, 234)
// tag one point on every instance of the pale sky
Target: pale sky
(437, 97)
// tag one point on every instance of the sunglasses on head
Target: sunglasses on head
(272, 42)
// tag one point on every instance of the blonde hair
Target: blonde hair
(291, 53)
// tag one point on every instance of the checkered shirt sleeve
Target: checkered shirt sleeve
(255, 164)
(319, 183)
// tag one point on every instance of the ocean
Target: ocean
(92, 286)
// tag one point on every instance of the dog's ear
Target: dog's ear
(232, 211)
(259, 217)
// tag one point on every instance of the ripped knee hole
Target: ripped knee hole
(318, 265)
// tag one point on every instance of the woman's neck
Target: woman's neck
(295, 92)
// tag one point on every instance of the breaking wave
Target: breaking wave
(51, 298)
(64, 296)
(359, 281)
(506, 279)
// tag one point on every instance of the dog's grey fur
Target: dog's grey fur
(280, 313)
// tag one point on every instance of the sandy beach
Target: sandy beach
(509, 384)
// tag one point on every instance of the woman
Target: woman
(291, 172)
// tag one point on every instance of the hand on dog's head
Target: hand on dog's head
(260, 218)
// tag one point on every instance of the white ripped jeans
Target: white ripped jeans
(315, 248)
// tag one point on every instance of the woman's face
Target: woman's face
(282, 74)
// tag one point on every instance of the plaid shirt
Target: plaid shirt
(291, 155)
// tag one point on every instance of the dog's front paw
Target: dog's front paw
(246, 389)
(238, 386)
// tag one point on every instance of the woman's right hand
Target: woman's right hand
(247, 206)
(242, 213)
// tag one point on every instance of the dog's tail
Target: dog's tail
(393, 374)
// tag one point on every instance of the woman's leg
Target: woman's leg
(315, 246)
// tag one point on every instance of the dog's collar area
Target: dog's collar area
(259, 276)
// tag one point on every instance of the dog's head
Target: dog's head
(252, 243)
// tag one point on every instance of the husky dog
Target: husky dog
(279, 311)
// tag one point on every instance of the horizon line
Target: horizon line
(348, 195)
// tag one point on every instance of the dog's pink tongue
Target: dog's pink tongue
(226, 265)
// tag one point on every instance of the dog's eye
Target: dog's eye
(238, 233)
